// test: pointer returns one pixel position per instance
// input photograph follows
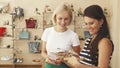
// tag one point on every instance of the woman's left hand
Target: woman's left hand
(71, 61)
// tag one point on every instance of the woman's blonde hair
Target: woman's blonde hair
(60, 8)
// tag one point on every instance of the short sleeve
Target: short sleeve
(75, 40)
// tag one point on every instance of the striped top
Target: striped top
(85, 55)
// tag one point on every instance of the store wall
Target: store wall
(115, 32)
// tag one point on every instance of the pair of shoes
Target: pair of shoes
(7, 46)
(36, 38)
(18, 60)
(36, 61)
(5, 58)
(8, 35)
(18, 51)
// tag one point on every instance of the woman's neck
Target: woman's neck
(94, 36)
(58, 29)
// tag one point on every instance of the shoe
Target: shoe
(18, 60)
(15, 60)
(5, 58)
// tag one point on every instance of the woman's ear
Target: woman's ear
(101, 22)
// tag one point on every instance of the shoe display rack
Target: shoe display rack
(16, 52)
(27, 47)
(6, 41)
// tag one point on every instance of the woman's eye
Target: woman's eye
(91, 23)
(59, 18)
(66, 18)
(85, 23)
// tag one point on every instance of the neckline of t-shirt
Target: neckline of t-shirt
(60, 32)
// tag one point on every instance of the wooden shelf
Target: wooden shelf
(21, 66)
(6, 65)
(28, 65)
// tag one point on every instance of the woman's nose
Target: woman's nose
(63, 21)
(87, 26)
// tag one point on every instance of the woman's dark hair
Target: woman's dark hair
(96, 12)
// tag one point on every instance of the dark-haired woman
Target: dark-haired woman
(98, 49)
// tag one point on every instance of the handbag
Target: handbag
(30, 23)
(34, 47)
(24, 35)
(2, 31)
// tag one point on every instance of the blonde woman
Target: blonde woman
(59, 38)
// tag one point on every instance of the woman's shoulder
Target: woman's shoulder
(105, 40)
(72, 32)
(48, 29)
(106, 46)
(105, 43)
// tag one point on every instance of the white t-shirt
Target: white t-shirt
(59, 40)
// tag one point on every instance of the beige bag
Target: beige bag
(4, 7)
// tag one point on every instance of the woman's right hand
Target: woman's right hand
(52, 61)
(71, 61)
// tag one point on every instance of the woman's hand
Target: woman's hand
(71, 61)
(52, 61)
(53, 58)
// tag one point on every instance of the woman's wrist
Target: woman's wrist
(93, 66)
(76, 65)
(79, 65)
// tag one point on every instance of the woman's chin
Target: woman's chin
(62, 27)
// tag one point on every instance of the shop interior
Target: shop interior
(15, 49)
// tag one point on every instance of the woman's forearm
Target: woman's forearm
(84, 66)
(43, 54)
(77, 49)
